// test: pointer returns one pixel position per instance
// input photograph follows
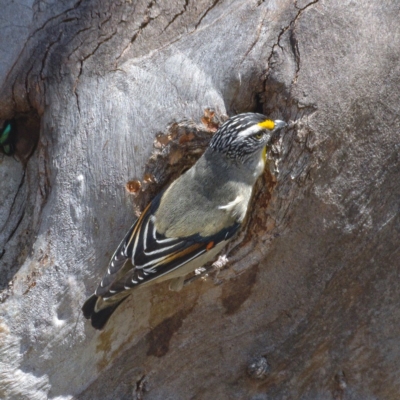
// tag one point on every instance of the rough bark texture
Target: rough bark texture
(307, 307)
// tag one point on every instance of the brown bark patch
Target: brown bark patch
(104, 345)
(161, 335)
(237, 291)
(133, 186)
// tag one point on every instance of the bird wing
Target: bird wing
(144, 254)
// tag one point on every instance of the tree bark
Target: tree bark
(307, 306)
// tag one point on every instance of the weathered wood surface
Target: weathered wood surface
(312, 283)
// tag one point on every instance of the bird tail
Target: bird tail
(99, 317)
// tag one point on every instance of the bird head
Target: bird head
(245, 137)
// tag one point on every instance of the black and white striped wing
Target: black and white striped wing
(144, 254)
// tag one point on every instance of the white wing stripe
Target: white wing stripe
(135, 246)
(231, 204)
(166, 240)
(146, 230)
(156, 251)
(183, 263)
(149, 263)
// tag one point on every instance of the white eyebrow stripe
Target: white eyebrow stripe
(250, 131)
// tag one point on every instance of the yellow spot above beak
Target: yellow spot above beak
(267, 124)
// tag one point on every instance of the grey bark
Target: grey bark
(307, 307)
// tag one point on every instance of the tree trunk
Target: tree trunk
(307, 306)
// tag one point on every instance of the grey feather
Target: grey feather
(191, 204)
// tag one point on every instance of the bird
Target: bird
(189, 223)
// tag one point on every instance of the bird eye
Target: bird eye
(259, 135)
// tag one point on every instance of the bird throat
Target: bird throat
(261, 164)
(264, 154)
